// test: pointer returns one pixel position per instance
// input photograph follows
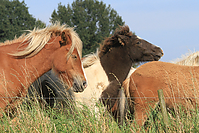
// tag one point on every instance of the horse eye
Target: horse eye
(138, 42)
(74, 56)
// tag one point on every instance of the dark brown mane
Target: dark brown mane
(113, 40)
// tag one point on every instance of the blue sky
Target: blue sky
(171, 24)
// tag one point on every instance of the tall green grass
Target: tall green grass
(32, 118)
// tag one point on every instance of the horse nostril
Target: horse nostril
(162, 52)
(84, 84)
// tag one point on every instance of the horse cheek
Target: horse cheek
(59, 65)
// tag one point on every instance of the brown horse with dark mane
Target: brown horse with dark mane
(25, 59)
(117, 55)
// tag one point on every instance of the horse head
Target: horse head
(124, 48)
(67, 63)
(139, 49)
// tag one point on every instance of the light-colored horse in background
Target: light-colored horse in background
(190, 59)
(97, 78)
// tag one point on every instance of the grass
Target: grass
(32, 118)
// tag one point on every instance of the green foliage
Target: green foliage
(14, 18)
(39, 24)
(93, 21)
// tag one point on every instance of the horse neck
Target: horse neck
(40, 63)
(35, 66)
(116, 64)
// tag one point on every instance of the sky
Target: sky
(172, 25)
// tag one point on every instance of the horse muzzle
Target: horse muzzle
(79, 86)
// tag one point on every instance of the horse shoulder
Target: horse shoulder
(147, 78)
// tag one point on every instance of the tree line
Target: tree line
(93, 20)
(14, 19)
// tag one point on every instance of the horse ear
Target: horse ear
(63, 39)
(122, 39)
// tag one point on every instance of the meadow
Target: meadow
(31, 117)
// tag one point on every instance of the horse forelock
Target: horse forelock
(76, 43)
(90, 59)
(38, 38)
(123, 30)
(113, 40)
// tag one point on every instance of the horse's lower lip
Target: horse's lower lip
(77, 91)
(77, 88)
(157, 57)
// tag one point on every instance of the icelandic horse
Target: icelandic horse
(117, 54)
(179, 83)
(23, 60)
(189, 59)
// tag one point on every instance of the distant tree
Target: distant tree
(39, 24)
(14, 18)
(93, 21)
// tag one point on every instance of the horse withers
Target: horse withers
(23, 60)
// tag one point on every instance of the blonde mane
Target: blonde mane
(38, 38)
(90, 59)
(191, 59)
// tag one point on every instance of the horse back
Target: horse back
(175, 80)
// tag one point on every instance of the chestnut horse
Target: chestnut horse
(179, 84)
(23, 60)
